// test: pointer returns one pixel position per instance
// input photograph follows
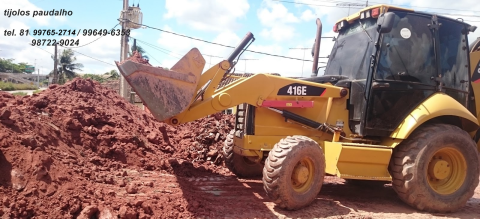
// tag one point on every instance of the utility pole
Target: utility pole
(210, 62)
(55, 73)
(246, 63)
(124, 88)
(34, 68)
(303, 60)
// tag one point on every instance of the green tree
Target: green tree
(138, 49)
(7, 65)
(94, 77)
(67, 66)
(113, 74)
(22, 66)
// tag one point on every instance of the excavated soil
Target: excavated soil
(81, 151)
(58, 147)
(136, 57)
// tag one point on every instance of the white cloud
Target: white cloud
(18, 47)
(25, 5)
(279, 32)
(212, 15)
(277, 20)
(308, 15)
(273, 12)
(179, 46)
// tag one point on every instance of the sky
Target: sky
(280, 27)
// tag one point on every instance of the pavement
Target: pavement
(29, 92)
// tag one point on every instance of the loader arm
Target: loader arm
(260, 90)
(183, 94)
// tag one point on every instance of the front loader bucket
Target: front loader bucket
(165, 93)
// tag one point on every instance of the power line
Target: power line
(304, 50)
(89, 56)
(210, 61)
(165, 51)
(301, 3)
(415, 6)
(44, 50)
(219, 44)
(152, 57)
(95, 39)
(335, 6)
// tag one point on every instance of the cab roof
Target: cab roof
(385, 8)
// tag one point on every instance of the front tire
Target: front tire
(294, 171)
(436, 169)
(237, 164)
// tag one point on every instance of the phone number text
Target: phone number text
(52, 42)
(83, 32)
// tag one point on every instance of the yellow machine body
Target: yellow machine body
(347, 155)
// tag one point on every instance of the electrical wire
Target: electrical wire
(165, 51)
(152, 56)
(43, 50)
(89, 56)
(415, 6)
(95, 39)
(336, 6)
(219, 44)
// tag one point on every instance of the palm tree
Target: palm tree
(138, 49)
(67, 66)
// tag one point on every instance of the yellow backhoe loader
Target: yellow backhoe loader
(396, 103)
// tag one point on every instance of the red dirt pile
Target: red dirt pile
(137, 57)
(64, 152)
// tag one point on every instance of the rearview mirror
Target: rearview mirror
(385, 22)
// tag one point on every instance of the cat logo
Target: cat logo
(476, 74)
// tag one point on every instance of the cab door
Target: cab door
(403, 75)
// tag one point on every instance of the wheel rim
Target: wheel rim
(302, 175)
(447, 170)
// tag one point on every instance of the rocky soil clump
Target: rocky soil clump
(65, 151)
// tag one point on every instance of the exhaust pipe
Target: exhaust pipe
(240, 47)
(317, 48)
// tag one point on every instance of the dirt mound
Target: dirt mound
(65, 150)
(137, 57)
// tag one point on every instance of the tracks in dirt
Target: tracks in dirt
(227, 196)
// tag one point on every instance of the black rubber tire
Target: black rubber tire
(237, 164)
(410, 161)
(279, 167)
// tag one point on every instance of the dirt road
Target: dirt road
(81, 151)
(219, 196)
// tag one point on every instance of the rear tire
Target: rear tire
(237, 164)
(436, 169)
(294, 172)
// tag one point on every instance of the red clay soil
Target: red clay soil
(137, 57)
(81, 151)
(65, 152)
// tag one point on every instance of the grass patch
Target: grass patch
(9, 86)
(19, 94)
(36, 91)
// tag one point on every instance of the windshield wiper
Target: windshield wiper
(361, 25)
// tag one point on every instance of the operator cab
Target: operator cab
(392, 59)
